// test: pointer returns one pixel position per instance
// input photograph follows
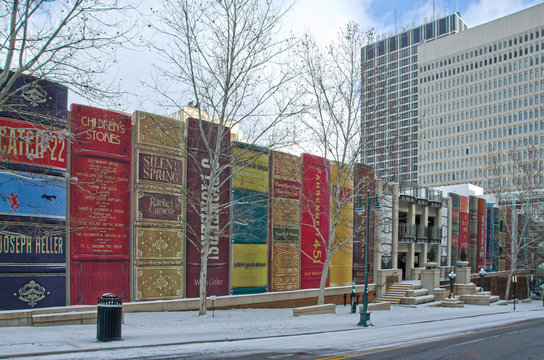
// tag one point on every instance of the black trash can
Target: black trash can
(109, 318)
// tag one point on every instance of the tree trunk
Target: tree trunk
(323, 282)
(508, 282)
(203, 282)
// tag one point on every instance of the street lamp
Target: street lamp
(451, 276)
(482, 275)
(365, 315)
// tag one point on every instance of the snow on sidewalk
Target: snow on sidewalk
(150, 329)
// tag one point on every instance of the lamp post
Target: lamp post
(451, 276)
(365, 315)
(482, 275)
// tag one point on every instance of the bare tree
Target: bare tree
(70, 42)
(332, 77)
(515, 179)
(228, 59)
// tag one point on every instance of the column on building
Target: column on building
(410, 254)
(448, 250)
(425, 245)
(395, 228)
(378, 226)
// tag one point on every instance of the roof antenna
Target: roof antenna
(395, 19)
(433, 9)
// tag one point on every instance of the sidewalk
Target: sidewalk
(144, 330)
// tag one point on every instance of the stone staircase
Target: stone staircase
(417, 296)
(470, 294)
(396, 292)
(406, 293)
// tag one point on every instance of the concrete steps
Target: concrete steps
(396, 292)
(417, 292)
(416, 296)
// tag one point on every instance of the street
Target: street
(521, 340)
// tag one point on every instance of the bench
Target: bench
(475, 299)
(315, 309)
(377, 306)
(453, 303)
(67, 318)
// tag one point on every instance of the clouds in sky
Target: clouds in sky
(323, 18)
(482, 11)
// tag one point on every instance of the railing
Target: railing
(407, 233)
(434, 195)
(420, 194)
(421, 233)
(435, 234)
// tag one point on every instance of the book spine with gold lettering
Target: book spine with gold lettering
(199, 191)
(473, 232)
(481, 242)
(315, 204)
(464, 228)
(250, 203)
(33, 156)
(341, 182)
(363, 181)
(285, 187)
(158, 208)
(455, 207)
(100, 204)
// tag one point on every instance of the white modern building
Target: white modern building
(481, 93)
(390, 97)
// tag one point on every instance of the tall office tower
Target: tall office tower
(390, 98)
(481, 94)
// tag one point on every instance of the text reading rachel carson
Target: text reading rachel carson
(103, 130)
(249, 265)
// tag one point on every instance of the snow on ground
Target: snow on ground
(266, 329)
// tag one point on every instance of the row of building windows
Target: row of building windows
(426, 32)
(466, 68)
(474, 178)
(485, 49)
(478, 161)
(497, 131)
(523, 64)
(499, 94)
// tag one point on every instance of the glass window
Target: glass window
(429, 31)
(404, 40)
(416, 35)
(393, 44)
(442, 28)
(381, 47)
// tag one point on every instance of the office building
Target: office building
(390, 98)
(481, 93)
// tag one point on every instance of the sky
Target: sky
(325, 17)
(322, 18)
